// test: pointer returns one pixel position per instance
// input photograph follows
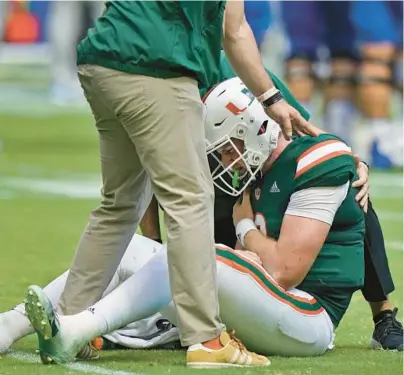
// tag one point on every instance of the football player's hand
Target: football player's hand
(363, 183)
(242, 208)
(250, 255)
(290, 120)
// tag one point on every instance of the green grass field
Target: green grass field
(49, 181)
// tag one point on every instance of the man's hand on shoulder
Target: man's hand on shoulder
(290, 120)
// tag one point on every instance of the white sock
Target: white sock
(13, 326)
(142, 295)
(55, 288)
(339, 119)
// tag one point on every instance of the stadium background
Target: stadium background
(49, 182)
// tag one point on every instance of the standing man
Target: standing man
(379, 32)
(140, 67)
(64, 28)
(310, 25)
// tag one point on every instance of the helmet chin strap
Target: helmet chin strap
(258, 180)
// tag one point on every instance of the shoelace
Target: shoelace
(240, 345)
(390, 324)
(395, 326)
(86, 351)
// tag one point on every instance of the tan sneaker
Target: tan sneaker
(88, 353)
(233, 354)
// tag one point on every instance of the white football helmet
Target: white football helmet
(234, 113)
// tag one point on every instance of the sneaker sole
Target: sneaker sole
(40, 315)
(207, 365)
(373, 344)
(38, 312)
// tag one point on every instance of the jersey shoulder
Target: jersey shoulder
(325, 160)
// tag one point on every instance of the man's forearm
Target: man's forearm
(265, 248)
(242, 51)
(150, 224)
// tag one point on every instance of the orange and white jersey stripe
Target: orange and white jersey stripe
(319, 153)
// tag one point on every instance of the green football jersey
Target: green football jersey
(309, 162)
(164, 39)
(224, 202)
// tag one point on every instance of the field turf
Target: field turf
(49, 182)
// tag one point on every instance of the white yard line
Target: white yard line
(90, 189)
(384, 186)
(78, 189)
(388, 188)
(385, 179)
(77, 366)
(394, 245)
(390, 215)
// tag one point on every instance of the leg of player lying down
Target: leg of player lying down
(14, 324)
(140, 296)
(267, 318)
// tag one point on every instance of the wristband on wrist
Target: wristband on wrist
(267, 94)
(272, 100)
(243, 227)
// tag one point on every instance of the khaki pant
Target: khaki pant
(151, 139)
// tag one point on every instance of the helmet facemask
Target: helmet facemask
(236, 176)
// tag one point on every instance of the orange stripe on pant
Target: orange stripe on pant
(239, 267)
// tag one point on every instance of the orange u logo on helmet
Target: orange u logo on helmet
(234, 109)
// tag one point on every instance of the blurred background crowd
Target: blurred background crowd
(342, 59)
